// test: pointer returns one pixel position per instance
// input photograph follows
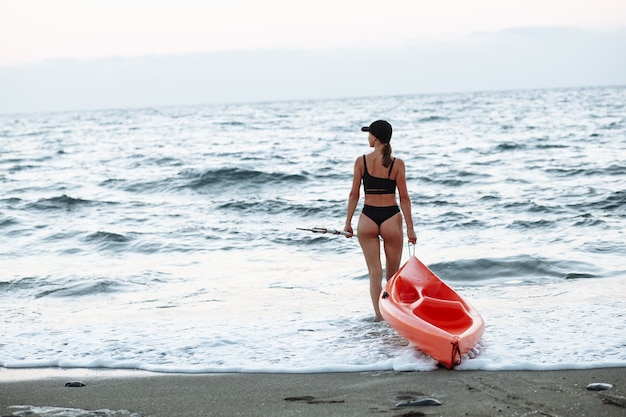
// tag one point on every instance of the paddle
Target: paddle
(324, 231)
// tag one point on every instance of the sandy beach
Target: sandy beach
(460, 393)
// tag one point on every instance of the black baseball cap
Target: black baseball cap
(381, 129)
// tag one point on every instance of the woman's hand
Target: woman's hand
(348, 228)
(412, 237)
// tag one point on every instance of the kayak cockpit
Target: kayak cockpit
(447, 315)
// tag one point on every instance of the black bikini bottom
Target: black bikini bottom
(380, 214)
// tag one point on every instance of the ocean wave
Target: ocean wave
(615, 169)
(39, 287)
(453, 178)
(533, 207)
(433, 119)
(179, 245)
(612, 170)
(6, 221)
(326, 208)
(319, 243)
(546, 146)
(24, 283)
(230, 124)
(456, 220)
(106, 236)
(82, 288)
(447, 180)
(526, 268)
(509, 146)
(107, 240)
(32, 133)
(227, 177)
(532, 224)
(587, 220)
(62, 202)
(161, 161)
(21, 167)
(613, 203)
(211, 181)
(605, 247)
(619, 124)
(57, 236)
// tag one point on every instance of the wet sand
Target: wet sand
(460, 393)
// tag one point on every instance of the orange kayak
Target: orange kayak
(426, 311)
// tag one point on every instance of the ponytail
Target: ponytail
(386, 155)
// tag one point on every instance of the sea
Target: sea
(165, 239)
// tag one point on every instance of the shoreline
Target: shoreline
(473, 393)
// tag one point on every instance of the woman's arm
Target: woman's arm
(353, 198)
(405, 200)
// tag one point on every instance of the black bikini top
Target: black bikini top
(375, 185)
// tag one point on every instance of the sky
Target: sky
(53, 54)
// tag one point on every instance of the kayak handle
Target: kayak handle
(456, 352)
(411, 245)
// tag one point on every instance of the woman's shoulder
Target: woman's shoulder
(359, 164)
(362, 158)
(398, 162)
(398, 167)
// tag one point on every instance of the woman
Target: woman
(381, 175)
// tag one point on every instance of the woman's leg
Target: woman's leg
(367, 231)
(393, 237)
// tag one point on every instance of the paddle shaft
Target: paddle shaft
(323, 230)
